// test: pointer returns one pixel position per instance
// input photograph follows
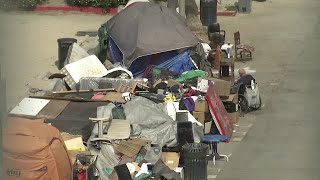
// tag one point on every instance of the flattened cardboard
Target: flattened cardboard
(53, 109)
(114, 97)
(131, 147)
(117, 129)
(234, 117)
(75, 144)
(222, 87)
(170, 159)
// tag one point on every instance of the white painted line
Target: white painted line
(237, 139)
(212, 176)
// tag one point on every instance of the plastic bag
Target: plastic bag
(252, 95)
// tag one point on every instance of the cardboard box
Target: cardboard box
(234, 117)
(230, 103)
(199, 116)
(201, 106)
(221, 86)
(170, 159)
(202, 117)
(231, 98)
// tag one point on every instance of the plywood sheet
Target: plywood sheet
(53, 109)
(29, 107)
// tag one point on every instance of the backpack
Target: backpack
(33, 150)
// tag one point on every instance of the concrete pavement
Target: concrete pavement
(283, 143)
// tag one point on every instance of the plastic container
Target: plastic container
(208, 12)
(64, 45)
(195, 162)
(245, 6)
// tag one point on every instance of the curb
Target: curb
(227, 13)
(77, 9)
(102, 11)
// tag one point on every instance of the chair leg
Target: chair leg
(227, 157)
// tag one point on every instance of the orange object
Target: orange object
(217, 58)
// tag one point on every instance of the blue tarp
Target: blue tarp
(171, 60)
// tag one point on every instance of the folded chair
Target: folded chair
(242, 51)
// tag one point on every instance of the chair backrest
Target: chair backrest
(215, 27)
(236, 38)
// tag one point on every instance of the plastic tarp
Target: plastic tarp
(115, 53)
(154, 123)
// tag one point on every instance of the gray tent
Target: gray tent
(146, 28)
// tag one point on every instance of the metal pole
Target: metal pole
(182, 8)
(3, 116)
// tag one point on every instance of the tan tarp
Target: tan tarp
(34, 150)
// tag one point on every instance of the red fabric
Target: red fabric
(98, 96)
(81, 175)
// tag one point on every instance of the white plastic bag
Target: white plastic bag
(252, 95)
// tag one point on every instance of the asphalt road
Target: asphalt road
(284, 143)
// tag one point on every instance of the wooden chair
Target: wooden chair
(242, 51)
(226, 71)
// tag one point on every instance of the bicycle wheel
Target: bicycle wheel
(243, 104)
(257, 107)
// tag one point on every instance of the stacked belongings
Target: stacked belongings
(128, 123)
(119, 139)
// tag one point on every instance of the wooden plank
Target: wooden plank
(68, 99)
(53, 109)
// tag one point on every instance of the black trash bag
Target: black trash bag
(160, 170)
(198, 56)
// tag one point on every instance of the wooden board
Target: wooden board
(29, 107)
(53, 109)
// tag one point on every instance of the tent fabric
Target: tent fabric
(115, 53)
(147, 28)
(177, 63)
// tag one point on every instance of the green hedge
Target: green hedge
(19, 4)
(97, 3)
